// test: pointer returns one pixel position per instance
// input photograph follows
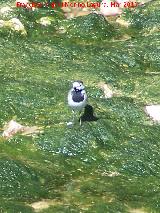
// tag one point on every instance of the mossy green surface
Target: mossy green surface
(145, 19)
(111, 165)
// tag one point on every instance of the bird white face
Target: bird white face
(78, 85)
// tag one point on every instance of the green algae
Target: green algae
(86, 28)
(111, 165)
(145, 19)
(8, 206)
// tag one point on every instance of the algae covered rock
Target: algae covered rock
(10, 23)
(48, 22)
(92, 26)
(17, 180)
(144, 18)
(6, 12)
(108, 165)
(22, 20)
(12, 206)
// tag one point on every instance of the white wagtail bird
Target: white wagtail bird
(77, 97)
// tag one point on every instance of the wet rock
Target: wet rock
(12, 128)
(107, 10)
(71, 12)
(108, 93)
(4, 11)
(154, 112)
(17, 25)
(2, 23)
(45, 21)
(122, 22)
(7, 12)
(13, 24)
(43, 204)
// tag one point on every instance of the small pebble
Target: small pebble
(154, 112)
(70, 124)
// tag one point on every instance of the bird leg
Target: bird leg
(73, 116)
(80, 120)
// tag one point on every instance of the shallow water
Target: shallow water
(109, 165)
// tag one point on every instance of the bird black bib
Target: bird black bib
(77, 96)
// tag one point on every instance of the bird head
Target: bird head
(78, 86)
